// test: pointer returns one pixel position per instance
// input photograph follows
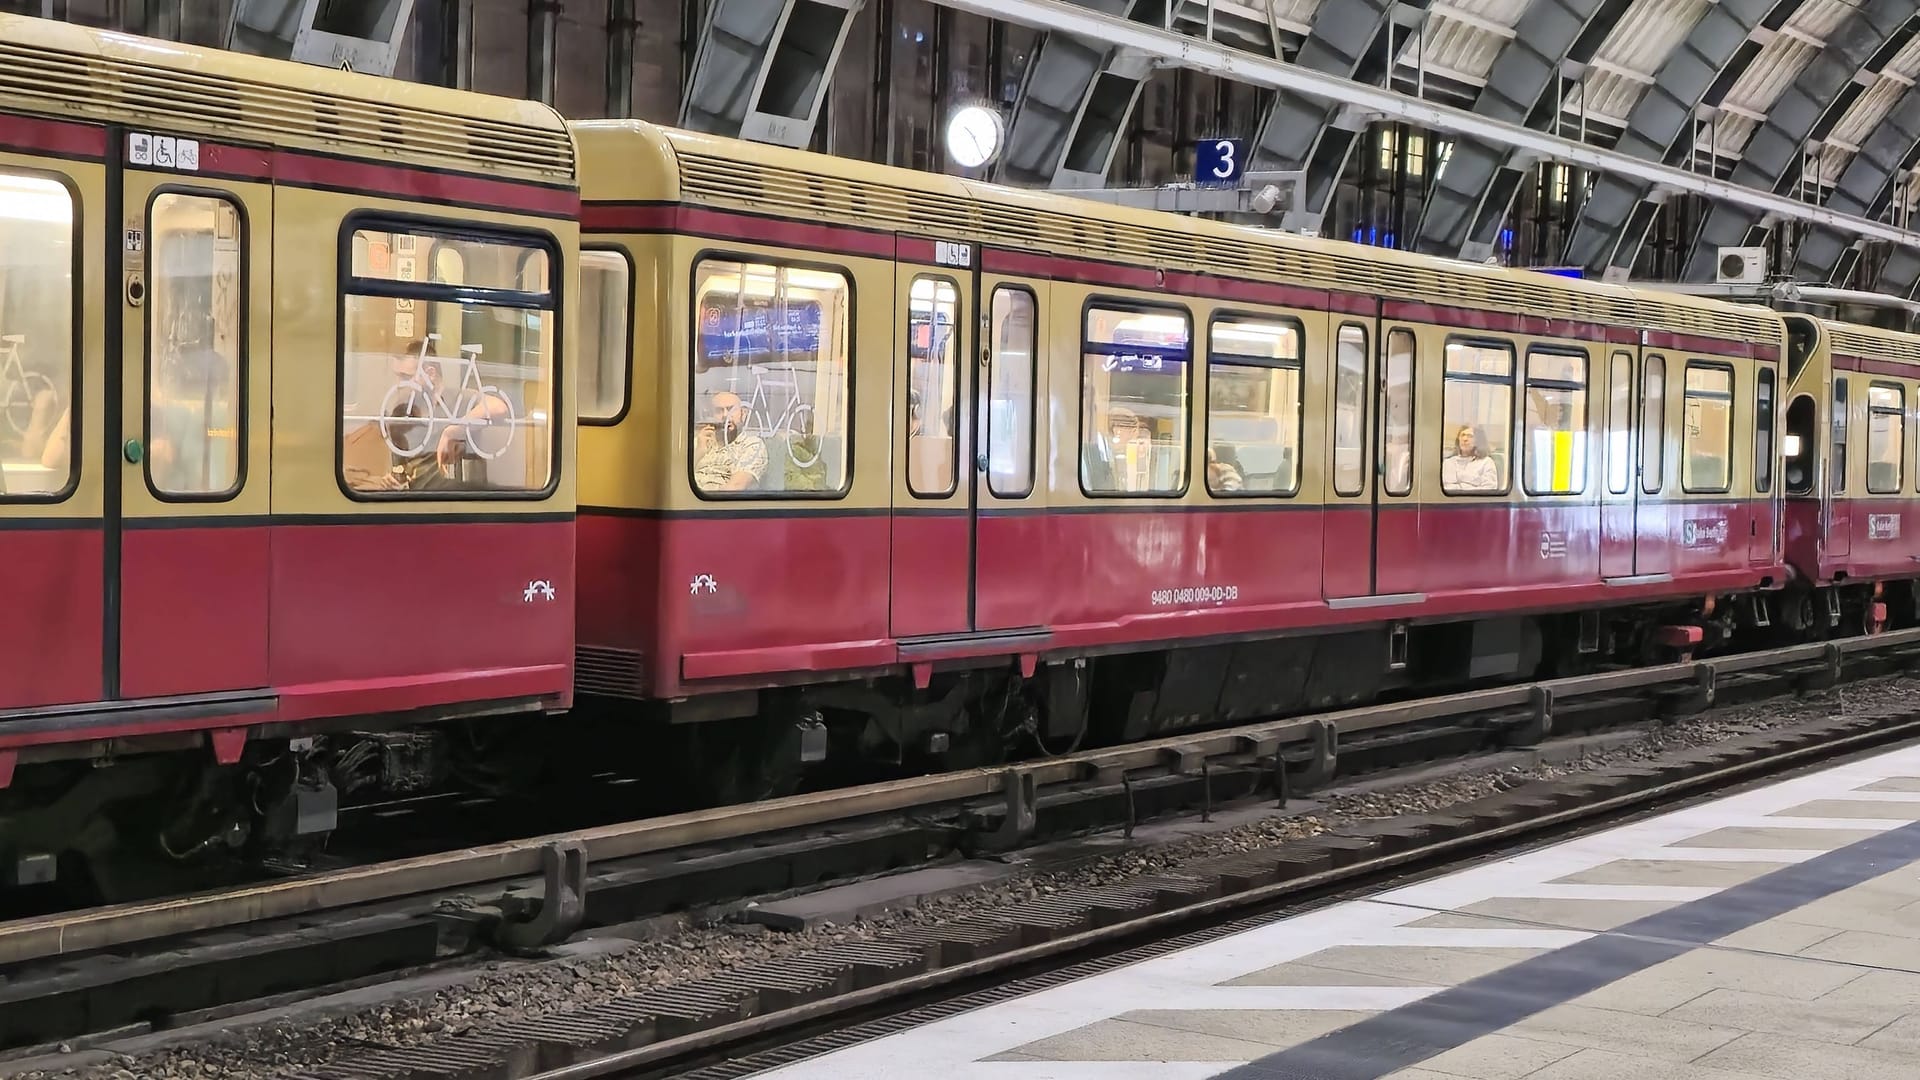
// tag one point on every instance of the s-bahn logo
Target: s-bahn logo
(1883, 526)
(1695, 532)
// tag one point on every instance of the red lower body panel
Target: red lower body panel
(306, 621)
(743, 600)
(367, 617)
(1860, 539)
(50, 640)
(193, 610)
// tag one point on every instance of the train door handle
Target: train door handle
(980, 462)
(133, 451)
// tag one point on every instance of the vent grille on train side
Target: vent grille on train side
(1872, 343)
(612, 672)
(66, 85)
(1010, 221)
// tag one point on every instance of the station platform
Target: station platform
(1774, 933)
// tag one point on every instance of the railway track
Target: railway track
(1001, 807)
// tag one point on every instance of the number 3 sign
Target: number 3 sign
(1218, 161)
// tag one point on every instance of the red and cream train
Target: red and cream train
(866, 463)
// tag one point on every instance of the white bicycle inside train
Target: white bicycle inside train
(417, 405)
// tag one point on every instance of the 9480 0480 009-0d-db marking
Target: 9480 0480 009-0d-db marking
(1194, 594)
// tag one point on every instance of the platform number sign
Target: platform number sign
(1219, 161)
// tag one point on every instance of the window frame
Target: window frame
(1413, 412)
(76, 345)
(1512, 349)
(984, 418)
(243, 384)
(1900, 459)
(1620, 361)
(1108, 302)
(937, 279)
(441, 228)
(1659, 472)
(1369, 454)
(1586, 421)
(749, 258)
(1298, 365)
(1840, 433)
(1733, 403)
(1765, 437)
(626, 366)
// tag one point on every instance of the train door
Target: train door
(1620, 493)
(1658, 441)
(1396, 515)
(192, 428)
(1839, 532)
(51, 542)
(1011, 572)
(1348, 564)
(933, 488)
(1766, 526)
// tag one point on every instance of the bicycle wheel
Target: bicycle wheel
(489, 437)
(798, 428)
(407, 423)
(18, 402)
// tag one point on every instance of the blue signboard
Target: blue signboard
(1219, 161)
(1561, 271)
(750, 332)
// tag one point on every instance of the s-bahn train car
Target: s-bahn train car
(1851, 475)
(911, 467)
(281, 438)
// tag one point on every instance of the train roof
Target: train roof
(1854, 339)
(67, 72)
(629, 159)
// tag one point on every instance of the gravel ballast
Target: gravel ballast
(501, 989)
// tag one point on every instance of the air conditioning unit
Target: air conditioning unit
(1741, 266)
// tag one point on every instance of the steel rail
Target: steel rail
(97, 928)
(640, 1060)
(1239, 65)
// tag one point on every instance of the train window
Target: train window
(1841, 422)
(194, 345)
(1619, 423)
(1396, 466)
(1253, 407)
(1349, 410)
(771, 388)
(1012, 341)
(1706, 440)
(1476, 409)
(1886, 437)
(1653, 424)
(1134, 406)
(606, 295)
(447, 363)
(36, 336)
(933, 386)
(1556, 423)
(1763, 431)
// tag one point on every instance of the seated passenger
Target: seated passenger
(1223, 469)
(728, 457)
(1468, 468)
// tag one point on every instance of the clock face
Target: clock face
(973, 136)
